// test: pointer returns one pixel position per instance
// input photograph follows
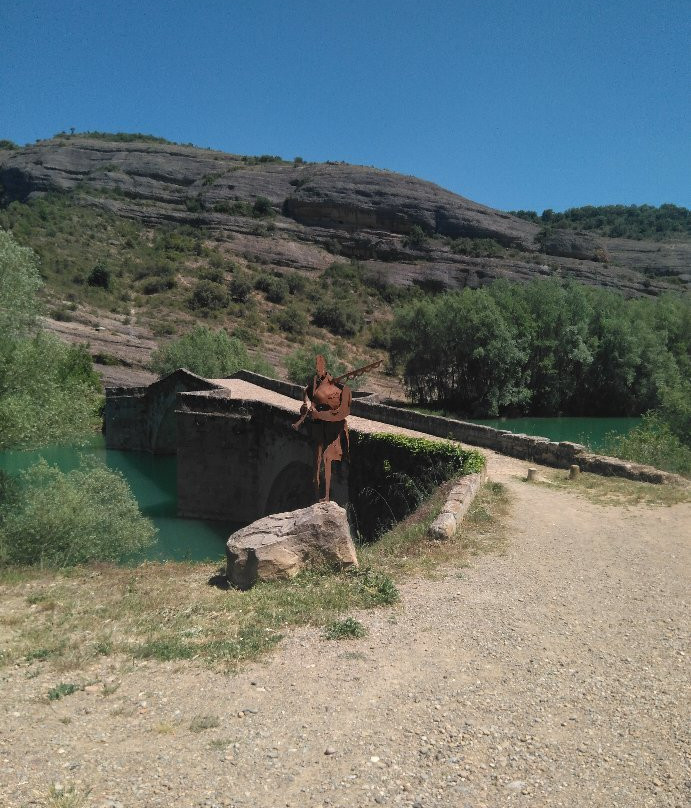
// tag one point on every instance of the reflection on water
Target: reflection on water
(153, 481)
(593, 432)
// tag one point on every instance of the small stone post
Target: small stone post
(574, 471)
(531, 475)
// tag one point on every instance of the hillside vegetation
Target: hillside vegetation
(619, 221)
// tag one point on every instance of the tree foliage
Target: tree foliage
(49, 392)
(55, 519)
(19, 283)
(619, 221)
(301, 363)
(543, 348)
(212, 354)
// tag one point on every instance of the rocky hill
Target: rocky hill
(302, 217)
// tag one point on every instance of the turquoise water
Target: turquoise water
(153, 481)
(592, 432)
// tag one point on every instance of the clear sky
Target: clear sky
(534, 104)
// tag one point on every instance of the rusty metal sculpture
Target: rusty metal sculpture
(326, 403)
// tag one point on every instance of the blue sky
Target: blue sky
(512, 104)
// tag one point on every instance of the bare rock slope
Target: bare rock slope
(352, 211)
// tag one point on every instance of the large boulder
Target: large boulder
(279, 546)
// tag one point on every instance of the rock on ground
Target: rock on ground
(280, 545)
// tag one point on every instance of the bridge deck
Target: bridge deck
(246, 390)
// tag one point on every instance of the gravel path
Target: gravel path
(552, 676)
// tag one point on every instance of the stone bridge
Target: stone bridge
(239, 459)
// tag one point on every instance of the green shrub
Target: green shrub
(347, 629)
(212, 354)
(262, 207)
(212, 273)
(654, 443)
(416, 238)
(275, 289)
(57, 519)
(158, 284)
(340, 316)
(379, 335)
(19, 283)
(292, 319)
(49, 392)
(100, 276)
(208, 296)
(392, 474)
(300, 364)
(240, 288)
(476, 247)
(297, 284)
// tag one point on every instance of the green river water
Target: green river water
(593, 432)
(152, 479)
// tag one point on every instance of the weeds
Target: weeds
(201, 722)
(63, 689)
(347, 629)
(70, 797)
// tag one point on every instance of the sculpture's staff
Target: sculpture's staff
(327, 402)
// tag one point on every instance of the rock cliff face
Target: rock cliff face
(328, 209)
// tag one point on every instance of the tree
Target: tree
(19, 283)
(212, 354)
(459, 350)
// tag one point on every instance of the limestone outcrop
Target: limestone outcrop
(280, 545)
(329, 211)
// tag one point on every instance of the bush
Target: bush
(212, 354)
(262, 207)
(100, 276)
(19, 283)
(416, 238)
(300, 364)
(398, 474)
(276, 289)
(240, 288)
(49, 393)
(654, 443)
(379, 335)
(292, 319)
(158, 284)
(59, 519)
(208, 296)
(340, 316)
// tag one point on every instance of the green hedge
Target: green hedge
(390, 475)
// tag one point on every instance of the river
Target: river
(593, 432)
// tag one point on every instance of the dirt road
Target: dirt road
(555, 675)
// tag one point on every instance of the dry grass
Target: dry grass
(68, 619)
(617, 491)
(406, 549)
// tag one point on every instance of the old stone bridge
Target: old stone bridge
(238, 458)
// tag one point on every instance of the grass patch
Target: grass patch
(617, 491)
(201, 722)
(69, 797)
(348, 629)
(406, 550)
